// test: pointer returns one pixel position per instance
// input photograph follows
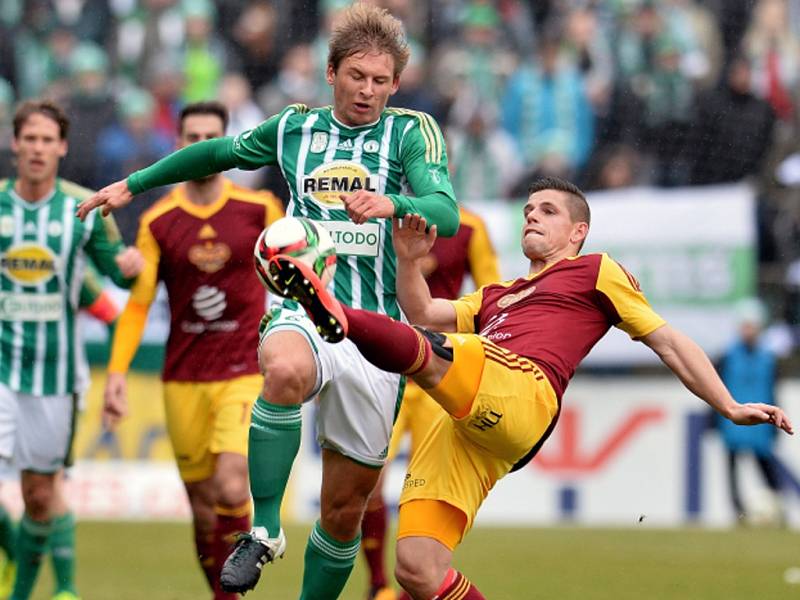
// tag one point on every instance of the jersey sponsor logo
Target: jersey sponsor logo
(55, 228)
(411, 482)
(510, 299)
(28, 264)
(325, 183)
(319, 142)
(491, 329)
(31, 307)
(485, 419)
(371, 146)
(354, 240)
(209, 257)
(209, 302)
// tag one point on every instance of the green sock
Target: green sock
(7, 534)
(62, 552)
(32, 539)
(273, 444)
(328, 563)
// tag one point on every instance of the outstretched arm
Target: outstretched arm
(192, 162)
(412, 243)
(688, 361)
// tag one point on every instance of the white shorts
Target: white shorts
(36, 432)
(358, 402)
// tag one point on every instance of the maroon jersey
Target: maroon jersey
(204, 256)
(556, 316)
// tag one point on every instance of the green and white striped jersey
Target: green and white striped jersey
(43, 248)
(322, 158)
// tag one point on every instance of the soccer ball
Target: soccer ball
(298, 237)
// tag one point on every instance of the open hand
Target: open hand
(410, 238)
(755, 414)
(111, 197)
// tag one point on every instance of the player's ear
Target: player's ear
(395, 84)
(579, 232)
(330, 73)
(63, 148)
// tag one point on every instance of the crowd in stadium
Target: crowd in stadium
(610, 93)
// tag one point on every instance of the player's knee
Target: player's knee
(342, 517)
(415, 572)
(38, 501)
(284, 382)
(233, 489)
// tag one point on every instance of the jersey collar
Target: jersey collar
(204, 211)
(355, 127)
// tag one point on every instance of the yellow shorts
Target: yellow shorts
(205, 419)
(417, 412)
(460, 460)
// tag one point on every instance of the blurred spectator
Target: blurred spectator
(546, 111)
(719, 129)
(415, 91)
(254, 36)
(147, 32)
(483, 157)
(42, 47)
(586, 46)
(243, 114)
(89, 20)
(296, 81)
(774, 53)
(165, 80)
(650, 56)
(126, 146)
(478, 60)
(91, 108)
(205, 57)
(749, 371)
(612, 167)
(6, 129)
(700, 40)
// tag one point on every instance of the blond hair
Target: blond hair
(363, 28)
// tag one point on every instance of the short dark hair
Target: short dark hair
(577, 205)
(209, 107)
(49, 109)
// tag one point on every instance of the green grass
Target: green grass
(154, 561)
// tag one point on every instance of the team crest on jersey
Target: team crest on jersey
(510, 299)
(319, 141)
(371, 146)
(28, 264)
(55, 228)
(6, 226)
(209, 256)
(325, 183)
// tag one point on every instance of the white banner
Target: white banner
(692, 249)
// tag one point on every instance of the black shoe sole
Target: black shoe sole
(298, 283)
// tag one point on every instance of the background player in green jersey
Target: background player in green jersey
(347, 166)
(43, 248)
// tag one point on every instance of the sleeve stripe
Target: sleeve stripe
(429, 130)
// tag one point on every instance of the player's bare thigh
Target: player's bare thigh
(290, 370)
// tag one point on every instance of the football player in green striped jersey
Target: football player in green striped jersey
(43, 251)
(352, 167)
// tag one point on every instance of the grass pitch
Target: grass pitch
(154, 561)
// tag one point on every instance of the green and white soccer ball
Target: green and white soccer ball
(300, 238)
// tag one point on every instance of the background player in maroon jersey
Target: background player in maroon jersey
(199, 241)
(501, 378)
(469, 251)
